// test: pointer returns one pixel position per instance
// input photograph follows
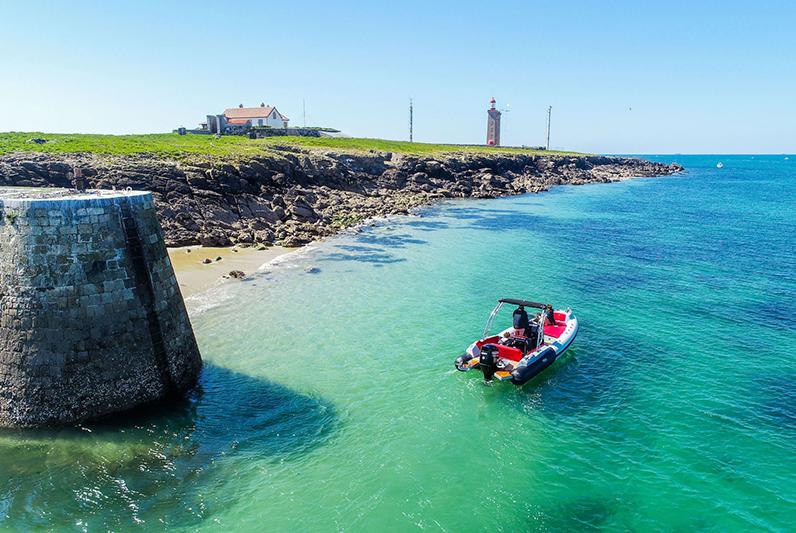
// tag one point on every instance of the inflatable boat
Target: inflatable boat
(520, 352)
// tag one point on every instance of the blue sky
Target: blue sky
(690, 77)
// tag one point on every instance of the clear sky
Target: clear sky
(628, 77)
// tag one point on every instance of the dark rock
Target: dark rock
(420, 177)
(264, 236)
(244, 237)
(213, 239)
(302, 211)
(306, 194)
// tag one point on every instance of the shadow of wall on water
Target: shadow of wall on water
(173, 464)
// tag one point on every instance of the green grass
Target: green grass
(164, 144)
(173, 145)
(404, 147)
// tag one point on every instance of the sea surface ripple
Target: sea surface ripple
(329, 401)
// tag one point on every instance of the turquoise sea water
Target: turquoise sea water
(329, 401)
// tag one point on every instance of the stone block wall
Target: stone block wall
(92, 321)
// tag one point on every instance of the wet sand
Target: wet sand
(195, 277)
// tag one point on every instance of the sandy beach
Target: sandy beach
(194, 276)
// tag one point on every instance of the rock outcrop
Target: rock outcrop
(294, 196)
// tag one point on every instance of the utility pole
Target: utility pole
(304, 112)
(549, 112)
(411, 120)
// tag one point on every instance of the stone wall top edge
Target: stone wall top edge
(134, 197)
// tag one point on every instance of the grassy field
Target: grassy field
(165, 144)
(171, 144)
(404, 147)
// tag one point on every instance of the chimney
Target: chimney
(240, 106)
(262, 104)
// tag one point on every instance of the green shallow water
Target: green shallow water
(329, 401)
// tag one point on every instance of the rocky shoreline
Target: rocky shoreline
(292, 196)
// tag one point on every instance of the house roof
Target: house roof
(262, 111)
(248, 112)
(239, 121)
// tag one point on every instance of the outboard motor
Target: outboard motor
(488, 363)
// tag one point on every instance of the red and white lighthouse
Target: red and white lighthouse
(492, 125)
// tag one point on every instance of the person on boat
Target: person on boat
(521, 322)
(549, 315)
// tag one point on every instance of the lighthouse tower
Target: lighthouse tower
(493, 125)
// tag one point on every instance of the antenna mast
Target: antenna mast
(411, 119)
(549, 112)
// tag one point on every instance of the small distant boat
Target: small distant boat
(520, 352)
(719, 165)
(787, 158)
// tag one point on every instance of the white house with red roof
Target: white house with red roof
(241, 118)
(265, 115)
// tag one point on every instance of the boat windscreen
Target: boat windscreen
(491, 318)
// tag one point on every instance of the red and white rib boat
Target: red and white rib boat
(519, 353)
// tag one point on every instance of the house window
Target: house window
(260, 122)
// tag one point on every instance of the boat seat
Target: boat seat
(554, 331)
(507, 352)
(489, 340)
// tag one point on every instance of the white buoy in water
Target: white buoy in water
(719, 165)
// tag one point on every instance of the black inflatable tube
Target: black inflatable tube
(523, 375)
(461, 362)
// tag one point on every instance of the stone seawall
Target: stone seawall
(91, 317)
(291, 196)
